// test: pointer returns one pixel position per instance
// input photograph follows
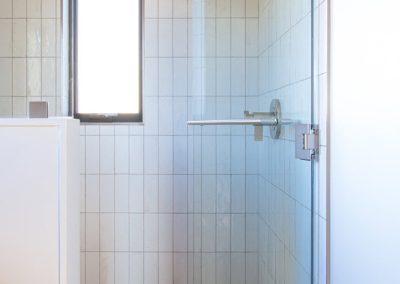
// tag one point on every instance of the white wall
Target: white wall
(365, 141)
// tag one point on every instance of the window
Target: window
(108, 41)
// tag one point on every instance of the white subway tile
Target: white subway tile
(34, 38)
(165, 193)
(48, 8)
(165, 38)
(238, 47)
(223, 158)
(150, 268)
(251, 232)
(136, 232)
(48, 37)
(223, 241)
(107, 271)
(238, 233)
(107, 195)
(208, 268)
(122, 268)
(252, 268)
(19, 8)
(223, 37)
(151, 38)
(223, 8)
(92, 155)
(180, 83)
(92, 232)
(238, 77)
(107, 225)
(19, 107)
(92, 193)
(19, 77)
(136, 194)
(180, 194)
(238, 268)
(34, 77)
(121, 193)
(165, 68)
(208, 194)
(5, 106)
(151, 154)
(208, 232)
(223, 267)
(238, 8)
(165, 8)
(180, 37)
(180, 155)
(150, 78)
(121, 130)
(151, 8)
(122, 232)
(150, 112)
(150, 193)
(92, 268)
(238, 155)
(165, 116)
(180, 232)
(136, 159)
(223, 194)
(165, 268)
(165, 154)
(165, 231)
(180, 8)
(6, 8)
(150, 232)
(49, 77)
(19, 38)
(6, 78)
(181, 268)
(106, 130)
(252, 8)
(136, 267)
(6, 37)
(121, 154)
(92, 129)
(107, 154)
(180, 115)
(223, 79)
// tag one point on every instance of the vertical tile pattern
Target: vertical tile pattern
(30, 40)
(163, 203)
(135, 177)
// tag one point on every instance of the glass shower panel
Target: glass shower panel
(250, 202)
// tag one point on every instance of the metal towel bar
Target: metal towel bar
(257, 119)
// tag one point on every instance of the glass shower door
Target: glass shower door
(250, 199)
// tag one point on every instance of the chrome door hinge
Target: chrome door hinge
(307, 142)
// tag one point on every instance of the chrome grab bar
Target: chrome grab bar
(255, 122)
(257, 119)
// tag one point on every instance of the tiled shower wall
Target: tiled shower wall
(143, 220)
(135, 178)
(225, 162)
(285, 183)
(30, 33)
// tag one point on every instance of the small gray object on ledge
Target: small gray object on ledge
(38, 110)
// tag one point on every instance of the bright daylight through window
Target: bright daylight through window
(108, 60)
